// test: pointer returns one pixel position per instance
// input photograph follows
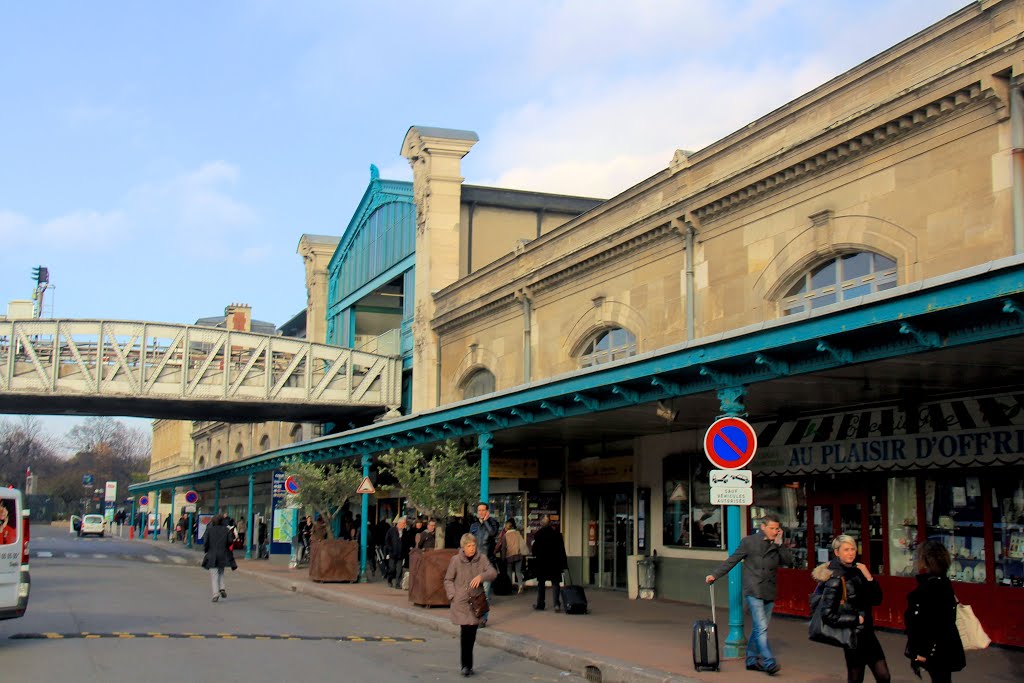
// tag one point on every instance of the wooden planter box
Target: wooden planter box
(426, 576)
(335, 560)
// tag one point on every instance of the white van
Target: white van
(14, 534)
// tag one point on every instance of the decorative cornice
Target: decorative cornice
(464, 314)
(843, 152)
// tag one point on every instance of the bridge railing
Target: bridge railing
(145, 359)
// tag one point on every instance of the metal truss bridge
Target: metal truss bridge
(147, 369)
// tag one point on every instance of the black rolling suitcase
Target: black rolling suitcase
(705, 640)
(574, 599)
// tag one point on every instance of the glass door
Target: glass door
(608, 536)
(846, 515)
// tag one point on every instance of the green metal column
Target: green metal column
(363, 524)
(731, 402)
(156, 515)
(170, 528)
(216, 497)
(248, 521)
(485, 440)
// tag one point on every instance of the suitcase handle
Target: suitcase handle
(713, 617)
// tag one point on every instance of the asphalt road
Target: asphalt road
(107, 610)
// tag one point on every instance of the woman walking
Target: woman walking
(849, 592)
(933, 642)
(217, 544)
(512, 546)
(465, 576)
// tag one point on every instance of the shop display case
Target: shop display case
(1008, 533)
(953, 512)
(902, 525)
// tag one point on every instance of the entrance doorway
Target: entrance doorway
(854, 514)
(608, 535)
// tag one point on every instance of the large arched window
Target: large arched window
(264, 443)
(844, 277)
(479, 383)
(239, 452)
(216, 458)
(613, 343)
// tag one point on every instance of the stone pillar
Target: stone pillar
(435, 155)
(316, 252)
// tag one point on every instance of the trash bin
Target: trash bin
(647, 572)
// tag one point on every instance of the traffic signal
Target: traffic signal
(41, 275)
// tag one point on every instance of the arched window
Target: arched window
(479, 383)
(239, 451)
(296, 433)
(613, 343)
(202, 461)
(216, 458)
(264, 443)
(844, 277)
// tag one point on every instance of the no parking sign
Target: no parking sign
(730, 443)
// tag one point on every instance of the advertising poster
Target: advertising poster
(203, 522)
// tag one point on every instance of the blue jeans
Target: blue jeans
(757, 644)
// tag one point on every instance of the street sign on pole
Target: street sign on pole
(291, 485)
(742, 478)
(143, 501)
(366, 486)
(191, 497)
(732, 495)
(730, 443)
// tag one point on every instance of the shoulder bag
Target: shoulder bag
(821, 632)
(972, 635)
(478, 604)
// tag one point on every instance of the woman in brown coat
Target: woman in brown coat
(466, 573)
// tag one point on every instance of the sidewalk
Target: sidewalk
(626, 640)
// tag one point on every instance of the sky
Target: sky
(162, 160)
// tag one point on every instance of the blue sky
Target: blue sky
(163, 159)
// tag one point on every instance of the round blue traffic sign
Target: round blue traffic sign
(730, 443)
(191, 497)
(143, 501)
(291, 485)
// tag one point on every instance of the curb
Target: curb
(585, 664)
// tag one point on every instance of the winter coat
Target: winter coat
(393, 543)
(761, 558)
(427, 540)
(486, 533)
(548, 553)
(861, 595)
(513, 545)
(931, 624)
(217, 544)
(462, 570)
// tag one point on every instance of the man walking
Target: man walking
(486, 529)
(548, 561)
(393, 546)
(761, 554)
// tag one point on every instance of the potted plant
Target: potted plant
(435, 485)
(326, 489)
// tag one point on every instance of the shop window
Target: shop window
(1008, 537)
(607, 345)
(689, 518)
(902, 496)
(788, 500)
(479, 383)
(953, 515)
(845, 277)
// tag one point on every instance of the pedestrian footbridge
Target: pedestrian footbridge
(149, 369)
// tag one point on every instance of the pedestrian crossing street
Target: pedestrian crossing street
(150, 557)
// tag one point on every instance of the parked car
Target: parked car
(74, 524)
(14, 574)
(93, 524)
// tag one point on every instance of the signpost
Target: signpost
(730, 444)
(366, 486)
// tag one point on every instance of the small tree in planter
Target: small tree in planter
(434, 485)
(326, 489)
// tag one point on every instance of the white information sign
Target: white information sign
(732, 495)
(737, 478)
(110, 493)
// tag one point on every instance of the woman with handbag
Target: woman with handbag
(512, 546)
(848, 594)
(933, 642)
(463, 582)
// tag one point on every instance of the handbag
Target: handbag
(821, 632)
(478, 604)
(972, 635)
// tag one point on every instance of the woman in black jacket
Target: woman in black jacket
(849, 592)
(217, 544)
(933, 642)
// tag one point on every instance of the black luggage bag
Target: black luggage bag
(705, 640)
(574, 599)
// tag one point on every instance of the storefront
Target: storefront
(893, 476)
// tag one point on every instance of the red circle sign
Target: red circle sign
(191, 497)
(730, 443)
(143, 501)
(291, 485)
